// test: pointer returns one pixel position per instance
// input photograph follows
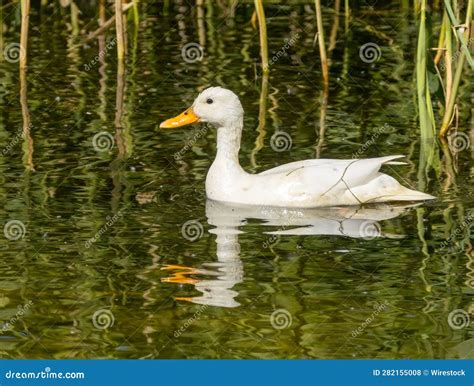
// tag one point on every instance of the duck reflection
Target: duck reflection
(227, 271)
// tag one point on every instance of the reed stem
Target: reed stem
(322, 44)
(262, 27)
(347, 14)
(119, 29)
(335, 27)
(464, 54)
(425, 109)
(448, 61)
(136, 17)
(450, 106)
(441, 40)
(27, 139)
(460, 31)
(106, 24)
(25, 18)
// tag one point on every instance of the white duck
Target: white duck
(301, 184)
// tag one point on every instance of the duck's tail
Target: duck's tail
(385, 188)
(411, 195)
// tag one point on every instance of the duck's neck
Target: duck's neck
(225, 172)
(228, 143)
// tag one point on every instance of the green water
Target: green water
(118, 254)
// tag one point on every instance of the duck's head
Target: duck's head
(216, 105)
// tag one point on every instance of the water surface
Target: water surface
(119, 255)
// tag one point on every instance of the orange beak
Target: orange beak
(187, 117)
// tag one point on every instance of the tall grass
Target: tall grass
(449, 63)
(425, 109)
(451, 60)
(461, 33)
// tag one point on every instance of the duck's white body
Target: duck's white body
(301, 184)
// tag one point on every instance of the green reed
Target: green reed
(450, 61)
(262, 27)
(452, 53)
(322, 44)
(425, 109)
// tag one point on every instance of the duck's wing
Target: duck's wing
(327, 182)
(359, 172)
(292, 166)
(355, 172)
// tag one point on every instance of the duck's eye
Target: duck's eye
(209, 101)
